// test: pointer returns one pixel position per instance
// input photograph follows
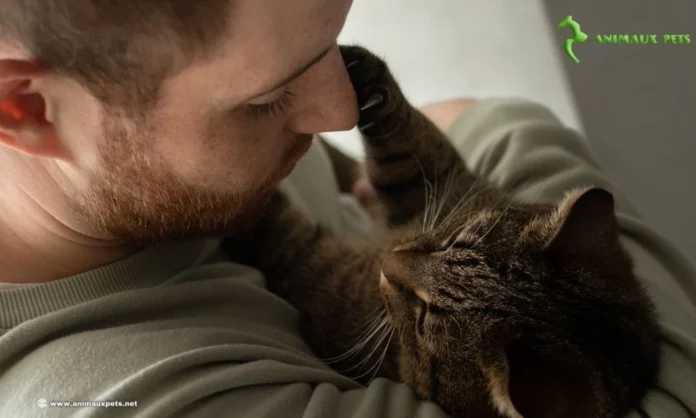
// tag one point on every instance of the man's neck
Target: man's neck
(41, 239)
(57, 258)
(45, 255)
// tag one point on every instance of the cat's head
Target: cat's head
(524, 311)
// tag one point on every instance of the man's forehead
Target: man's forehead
(265, 46)
(295, 74)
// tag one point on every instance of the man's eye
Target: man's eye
(274, 108)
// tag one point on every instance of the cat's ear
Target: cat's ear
(525, 383)
(585, 223)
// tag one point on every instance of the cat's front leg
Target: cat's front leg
(333, 285)
(406, 153)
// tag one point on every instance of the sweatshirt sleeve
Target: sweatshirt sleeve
(210, 341)
(522, 147)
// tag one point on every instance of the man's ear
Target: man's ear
(527, 381)
(23, 124)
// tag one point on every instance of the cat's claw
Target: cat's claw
(373, 101)
(353, 64)
(368, 126)
(376, 91)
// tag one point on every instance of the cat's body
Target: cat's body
(486, 306)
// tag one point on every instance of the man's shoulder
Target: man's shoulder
(138, 345)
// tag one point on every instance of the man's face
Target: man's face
(225, 131)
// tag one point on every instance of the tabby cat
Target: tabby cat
(486, 306)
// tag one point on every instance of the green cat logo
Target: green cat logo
(610, 39)
(578, 36)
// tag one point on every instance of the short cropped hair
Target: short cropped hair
(119, 50)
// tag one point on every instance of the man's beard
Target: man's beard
(134, 200)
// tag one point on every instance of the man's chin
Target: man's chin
(162, 212)
(187, 218)
(248, 217)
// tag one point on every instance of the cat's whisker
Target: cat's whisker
(379, 321)
(514, 185)
(450, 218)
(507, 208)
(382, 357)
(373, 326)
(454, 180)
(378, 314)
(385, 333)
(433, 200)
(428, 205)
(442, 199)
(427, 187)
(507, 192)
(466, 198)
(481, 223)
(377, 324)
(503, 213)
(367, 337)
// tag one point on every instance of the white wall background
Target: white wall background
(440, 49)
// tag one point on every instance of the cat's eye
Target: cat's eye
(457, 240)
(461, 245)
(436, 310)
(458, 243)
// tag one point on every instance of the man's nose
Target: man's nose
(326, 100)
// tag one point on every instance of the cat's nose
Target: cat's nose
(403, 270)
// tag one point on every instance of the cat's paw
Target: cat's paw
(377, 91)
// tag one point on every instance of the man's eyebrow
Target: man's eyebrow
(296, 74)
